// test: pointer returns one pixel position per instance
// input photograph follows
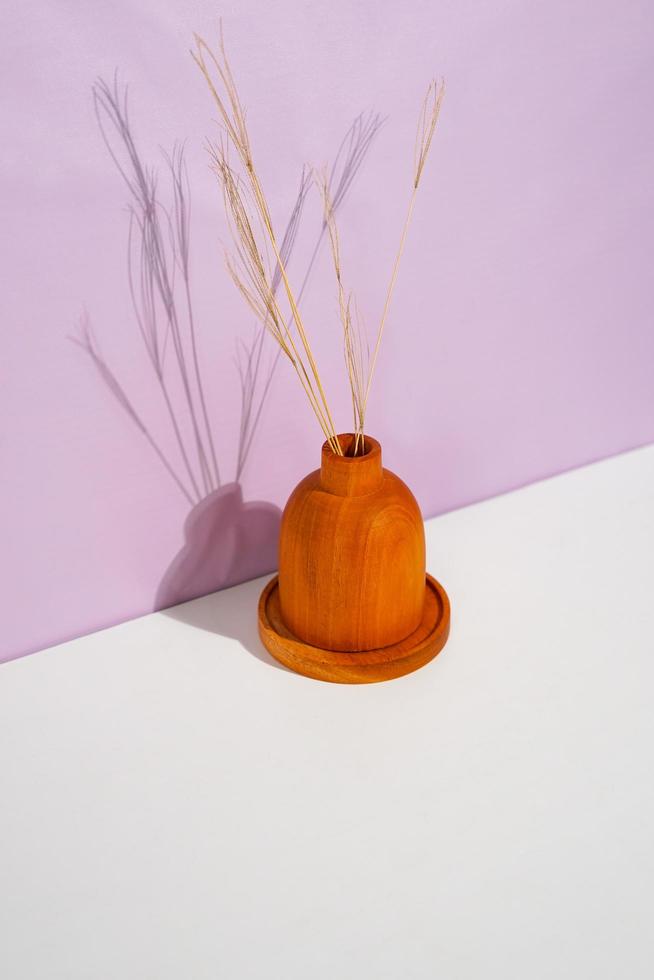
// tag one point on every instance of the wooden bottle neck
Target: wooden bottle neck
(351, 476)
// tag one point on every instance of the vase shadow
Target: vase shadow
(227, 542)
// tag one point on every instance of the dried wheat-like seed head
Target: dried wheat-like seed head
(256, 249)
(354, 336)
(431, 108)
(253, 232)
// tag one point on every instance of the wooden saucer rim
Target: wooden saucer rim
(365, 666)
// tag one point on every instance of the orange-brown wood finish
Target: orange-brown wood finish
(351, 554)
(357, 667)
(352, 574)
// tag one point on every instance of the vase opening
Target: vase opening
(348, 474)
(348, 444)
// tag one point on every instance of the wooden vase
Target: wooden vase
(352, 601)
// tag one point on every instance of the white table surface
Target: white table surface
(176, 807)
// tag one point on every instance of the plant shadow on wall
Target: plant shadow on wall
(227, 539)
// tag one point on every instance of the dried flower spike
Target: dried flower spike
(253, 235)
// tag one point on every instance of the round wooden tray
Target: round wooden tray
(360, 667)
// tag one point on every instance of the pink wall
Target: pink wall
(520, 342)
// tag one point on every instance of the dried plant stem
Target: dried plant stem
(255, 285)
(319, 404)
(288, 346)
(352, 333)
(431, 108)
(253, 234)
(249, 270)
(250, 373)
(389, 293)
(347, 162)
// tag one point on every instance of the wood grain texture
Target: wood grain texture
(352, 554)
(363, 667)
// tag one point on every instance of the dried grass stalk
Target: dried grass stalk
(431, 108)
(354, 335)
(361, 368)
(255, 383)
(253, 235)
